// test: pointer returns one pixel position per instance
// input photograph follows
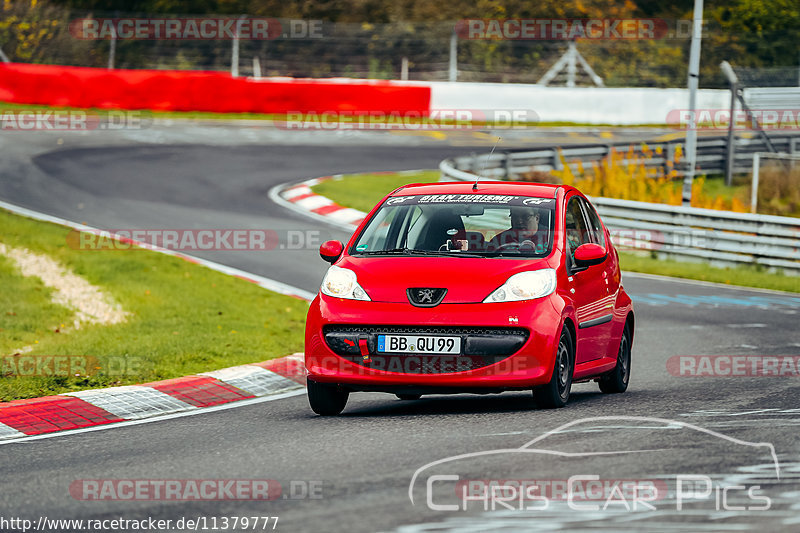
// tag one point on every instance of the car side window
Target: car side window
(577, 232)
(595, 226)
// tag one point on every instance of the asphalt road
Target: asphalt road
(366, 459)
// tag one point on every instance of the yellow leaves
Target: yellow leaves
(626, 175)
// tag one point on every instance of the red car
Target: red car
(462, 287)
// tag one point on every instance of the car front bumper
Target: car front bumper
(504, 345)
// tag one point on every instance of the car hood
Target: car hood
(467, 280)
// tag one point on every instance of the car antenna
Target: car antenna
(475, 185)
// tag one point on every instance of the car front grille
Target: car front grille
(480, 347)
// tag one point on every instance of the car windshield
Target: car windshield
(464, 225)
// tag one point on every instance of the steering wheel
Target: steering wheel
(524, 245)
(514, 245)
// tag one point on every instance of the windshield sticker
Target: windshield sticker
(537, 201)
(494, 199)
(361, 247)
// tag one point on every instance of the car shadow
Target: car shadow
(508, 402)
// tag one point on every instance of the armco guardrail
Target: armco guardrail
(722, 238)
(719, 237)
(711, 153)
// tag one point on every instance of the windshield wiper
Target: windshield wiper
(414, 251)
(513, 253)
(450, 253)
(390, 251)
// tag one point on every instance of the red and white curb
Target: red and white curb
(300, 198)
(83, 409)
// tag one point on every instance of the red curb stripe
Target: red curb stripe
(53, 413)
(327, 209)
(59, 413)
(286, 367)
(302, 197)
(200, 391)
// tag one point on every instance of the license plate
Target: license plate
(418, 344)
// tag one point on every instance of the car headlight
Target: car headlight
(341, 283)
(525, 286)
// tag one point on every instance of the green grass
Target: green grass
(208, 115)
(184, 318)
(27, 313)
(363, 191)
(714, 186)
(744, 276)
(188, 115)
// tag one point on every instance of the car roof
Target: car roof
(543, 190)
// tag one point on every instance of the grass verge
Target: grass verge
(185, 318)
(313, 119)
(363, 191)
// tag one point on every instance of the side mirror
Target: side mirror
(330, 251)
(589, 254)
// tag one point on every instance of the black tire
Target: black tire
(556, 393)
(409, 396)
(616, 381)
(326, 400)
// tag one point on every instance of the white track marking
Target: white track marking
(656, 277)
(266, 283)
(294, 192)
(7, 432)
(314, 202)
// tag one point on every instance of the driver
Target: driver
(524, 226)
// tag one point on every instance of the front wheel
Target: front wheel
(556, 392)
(325, 399)
(617, 380)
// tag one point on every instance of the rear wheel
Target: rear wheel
(617, 380)
(556, 392)
(325, 399)
(409, 396)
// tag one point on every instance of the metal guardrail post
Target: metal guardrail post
(754, 187)
(453, 66)
(557, 165)
(507, 172)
